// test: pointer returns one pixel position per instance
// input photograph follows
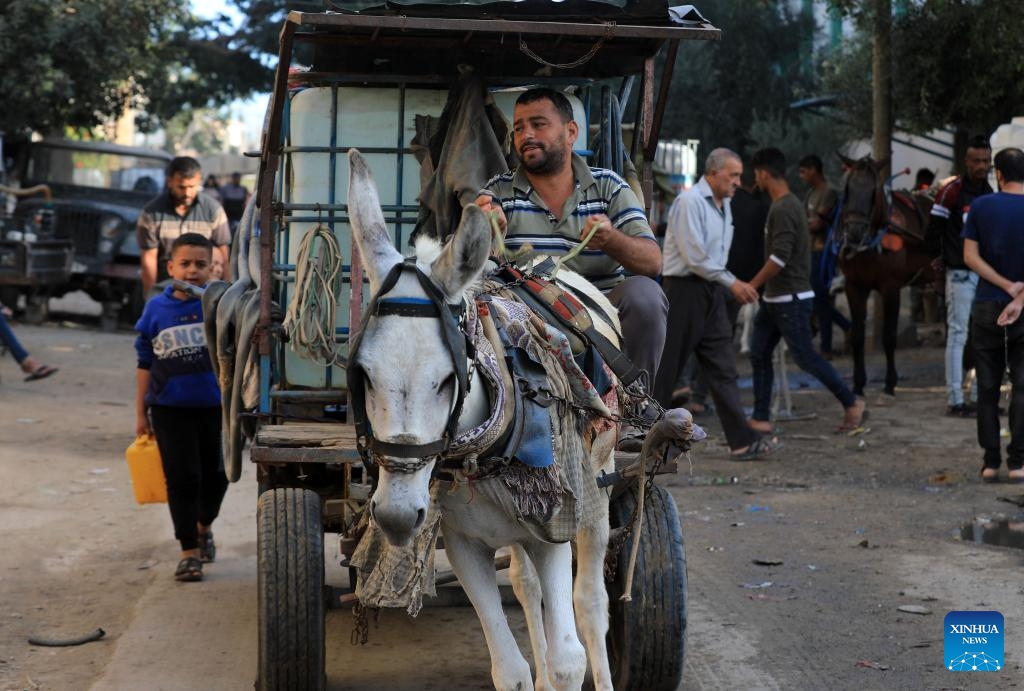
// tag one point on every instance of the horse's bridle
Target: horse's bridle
(870, 222)
(451, 318)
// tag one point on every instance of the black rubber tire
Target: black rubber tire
(647, 636)
(37, 309)
(290, 587)
(133, 305)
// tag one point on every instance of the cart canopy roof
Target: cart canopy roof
(630, 11)
(501, 39)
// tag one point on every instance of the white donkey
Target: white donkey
(410, 387)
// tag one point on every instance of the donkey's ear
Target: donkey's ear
(464, 256)
(371, 234)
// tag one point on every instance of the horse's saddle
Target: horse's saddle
(908, 214)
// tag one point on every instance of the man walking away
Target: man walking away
(994, 248)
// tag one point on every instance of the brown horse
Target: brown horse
(881, 246)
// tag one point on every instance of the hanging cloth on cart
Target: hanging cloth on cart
(466, 149)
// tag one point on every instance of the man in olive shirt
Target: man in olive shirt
(787, 302)
(821, 203)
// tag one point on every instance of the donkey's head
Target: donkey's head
(409, 368)
(863, 202)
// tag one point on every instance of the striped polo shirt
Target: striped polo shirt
(160, 225)
(597, 191)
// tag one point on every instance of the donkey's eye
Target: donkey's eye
(447, 384)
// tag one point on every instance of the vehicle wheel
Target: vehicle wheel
(9, 296)
(290, 587)
(132, 309)
(647, 636)
(109, 316)
(37, 309)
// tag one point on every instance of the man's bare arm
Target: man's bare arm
(225, 256)
(974, 261)
(640, 256)
(147, 266)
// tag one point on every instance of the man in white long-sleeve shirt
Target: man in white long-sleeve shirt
(697, 285)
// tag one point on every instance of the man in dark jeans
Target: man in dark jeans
(788, 298)
(994, 249)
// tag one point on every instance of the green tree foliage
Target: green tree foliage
(959, 62)
(737, 92)
(956, 63)
(68, 63)
(264, 18)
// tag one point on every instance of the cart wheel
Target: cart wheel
(290, 586)
(647, 636)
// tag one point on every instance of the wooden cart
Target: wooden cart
(371, 75)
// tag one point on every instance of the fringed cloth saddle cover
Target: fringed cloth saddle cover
(551, 492)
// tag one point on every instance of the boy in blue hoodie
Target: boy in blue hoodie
(176, 386)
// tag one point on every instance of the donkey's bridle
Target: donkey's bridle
(451, 318)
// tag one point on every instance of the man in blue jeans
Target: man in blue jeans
(944, 228)
(788, 298)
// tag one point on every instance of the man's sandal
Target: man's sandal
(189, 569)
(989, 475)
(207, 550)
(760, 448)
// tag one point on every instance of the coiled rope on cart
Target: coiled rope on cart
(310, 319)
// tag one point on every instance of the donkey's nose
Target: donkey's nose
(399, 524)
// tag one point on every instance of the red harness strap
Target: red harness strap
(571, 313)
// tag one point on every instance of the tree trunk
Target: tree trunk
(881, 112)
(960, 137)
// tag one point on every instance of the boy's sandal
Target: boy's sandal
(991, 475)
(207, 549)
(760, 448)
(1016, 476)
(189, 569)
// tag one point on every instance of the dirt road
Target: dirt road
(858, 530)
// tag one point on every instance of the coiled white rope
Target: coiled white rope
(310, 319)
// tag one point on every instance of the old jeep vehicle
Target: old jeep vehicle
(98, 191)
(32, 259)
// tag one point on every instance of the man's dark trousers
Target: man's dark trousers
(698, 323)
(995, 348)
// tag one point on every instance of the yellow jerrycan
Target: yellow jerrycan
(147, 472)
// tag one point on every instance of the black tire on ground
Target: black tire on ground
(132, 309)
(647, 636)
(290, 587)
(9, 297)
(37, 308)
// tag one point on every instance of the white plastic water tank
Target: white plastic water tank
(1006, 136)
(367, 117)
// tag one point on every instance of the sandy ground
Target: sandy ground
(859, 528)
